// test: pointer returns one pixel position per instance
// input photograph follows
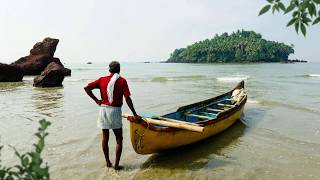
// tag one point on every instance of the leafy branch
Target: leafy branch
(304, 13)
(31, 164)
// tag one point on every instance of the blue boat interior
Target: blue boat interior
(197, 114)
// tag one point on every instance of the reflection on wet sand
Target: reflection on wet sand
(194, 156)
(48, 101)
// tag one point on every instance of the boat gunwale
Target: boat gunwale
(220, 117)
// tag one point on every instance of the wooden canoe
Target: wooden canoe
(214, 114)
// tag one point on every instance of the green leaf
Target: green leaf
(15, 174)
(295, 13)
(316, 21)
(2, 174)
(316, 1)
(304, 15)
(25, 161)
(46, 134)
(290, 8)
(306, 20)
(274, 9)
(277, 7)
(281, 6)
(296, 26)
(312, 9)
(264, 9)
(270, 1)
(292, 21)
(20, 168)
(303, 29)
(38, 135)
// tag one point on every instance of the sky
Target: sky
(139, 30)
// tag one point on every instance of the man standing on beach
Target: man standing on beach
(112, 89)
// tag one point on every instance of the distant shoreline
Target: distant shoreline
(237, 47)
(280, 62)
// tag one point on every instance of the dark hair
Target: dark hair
(114, 67)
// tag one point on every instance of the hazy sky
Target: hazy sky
(136, 30)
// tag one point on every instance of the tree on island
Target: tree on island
(240, 46)
(304, 12)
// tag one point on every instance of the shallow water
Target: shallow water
(278, 136)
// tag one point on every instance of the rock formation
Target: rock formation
(37, 62)
(9, 73)
(51, 76)
(40, 56)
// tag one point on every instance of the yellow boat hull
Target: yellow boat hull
(146, 141)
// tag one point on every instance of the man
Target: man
(112, 89)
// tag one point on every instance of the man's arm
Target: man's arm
(130, 104)
(89, 92)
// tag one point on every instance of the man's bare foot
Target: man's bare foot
(118, 168)
(109, 164)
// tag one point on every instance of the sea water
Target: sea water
(278, 136)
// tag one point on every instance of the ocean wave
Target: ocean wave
(271, 103)
(235, 78)
(161, 79)
(313, 75)
(177, 78)
(253, 101)
(77, 80)
(309, 76)
(169, 79)
(81, 69)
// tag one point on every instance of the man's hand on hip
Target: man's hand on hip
(99, 102)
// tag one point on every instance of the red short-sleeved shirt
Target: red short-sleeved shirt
(120, 89)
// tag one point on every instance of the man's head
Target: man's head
(114, 67)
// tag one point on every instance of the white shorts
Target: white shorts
(109, 117)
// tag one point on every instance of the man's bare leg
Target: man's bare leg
(118, 134)
(105, 147)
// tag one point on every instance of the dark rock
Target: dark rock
(52, 76)
(40, 56)
(9, 73)
(33, 64)
(66, 71)
(57, 60)
(47, 46)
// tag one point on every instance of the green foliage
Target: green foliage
(304, 12)
(31, 165)
(240, 46)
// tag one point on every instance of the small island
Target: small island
(238, 47)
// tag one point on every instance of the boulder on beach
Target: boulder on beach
(40, 56)
(51, 76)
(33, 64)
(10, 73)
(66, 71)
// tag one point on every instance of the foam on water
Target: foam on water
(235, 78)
(78, 80)
(314, 75)
(176, 78)
(310, 75)
(253, 101)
